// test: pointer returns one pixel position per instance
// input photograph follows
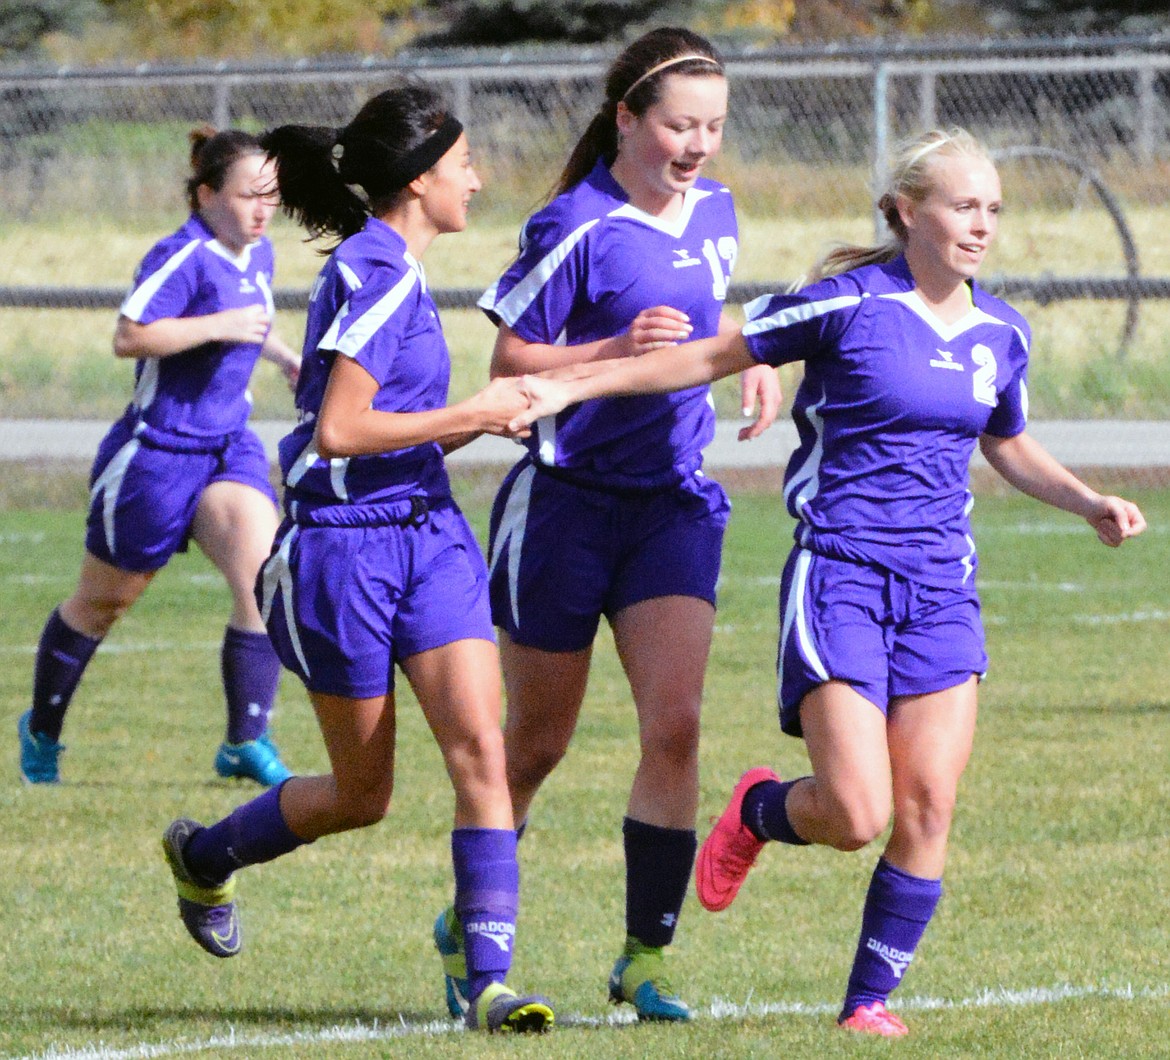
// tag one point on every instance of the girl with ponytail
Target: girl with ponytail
(374, 565)
(182, 462)
(908, 364)
(609, 512)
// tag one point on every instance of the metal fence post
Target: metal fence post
(1146, 105)
(881, 140)
(221, 116)
(927, 99)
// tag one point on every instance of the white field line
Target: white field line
(989, 997)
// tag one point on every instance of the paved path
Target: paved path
(1089, 443)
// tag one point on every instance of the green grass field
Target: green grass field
(1052, 939)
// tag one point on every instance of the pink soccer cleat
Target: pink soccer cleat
(874, 1019)
(730, 850)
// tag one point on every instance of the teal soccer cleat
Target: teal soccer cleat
(38, 754)
(639, 977)
(257, 760)
(448, 936)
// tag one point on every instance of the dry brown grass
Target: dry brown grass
(58, 362)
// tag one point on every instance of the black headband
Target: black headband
(396, 174)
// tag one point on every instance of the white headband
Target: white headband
(670, 62)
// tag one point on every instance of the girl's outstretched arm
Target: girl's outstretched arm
(1028, 466)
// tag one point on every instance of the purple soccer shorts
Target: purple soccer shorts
(880, 632)
(343, 604)
(144, 491)
(562, 555)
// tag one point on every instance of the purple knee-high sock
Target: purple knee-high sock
(250, 834)
(251, 672)
(62, 656)
(658, 870)
(487, 898)
(764, 812)
(898, 907)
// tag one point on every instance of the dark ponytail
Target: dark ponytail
(633, 79)
(311, 189)
(317, 168)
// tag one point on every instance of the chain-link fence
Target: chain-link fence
(107, 137)
(1082, 134)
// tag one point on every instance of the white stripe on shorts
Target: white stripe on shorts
(511, 535)
(794, 616)
(111, 480)
(277, 574)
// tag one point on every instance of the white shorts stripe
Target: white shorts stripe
(511, 535)
(110, 480)
(276, 573)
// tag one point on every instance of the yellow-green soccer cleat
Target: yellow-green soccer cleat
(500, 1008)
(639, 977)
(208, 912)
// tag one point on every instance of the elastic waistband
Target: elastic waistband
(410, 511)
(651, 489)
(181, 443)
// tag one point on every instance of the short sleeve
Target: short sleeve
(1010, 415)
(166, 283)
(372, 326)
(535, 295)
(782, 328)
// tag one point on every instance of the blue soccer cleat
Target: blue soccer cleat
(257, 760)
(448, 936)
(208, 911)
(38, 754)
(500, 1008)
(639, 977)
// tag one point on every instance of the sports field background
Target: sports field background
(1052, 938)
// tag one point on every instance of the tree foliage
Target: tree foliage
(508, 21)
(242, 28)
(25, 23)
(589, 21)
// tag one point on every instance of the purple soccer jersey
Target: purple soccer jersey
(200, 393)
(370, 302)
(589, 262)
(889, 411)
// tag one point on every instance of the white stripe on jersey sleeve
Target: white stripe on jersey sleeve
(795, 314)
(349, 277)
(139, 298)
(372, 319)
(511, 307)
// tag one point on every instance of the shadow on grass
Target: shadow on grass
(1138, 709)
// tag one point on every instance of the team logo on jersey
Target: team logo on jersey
(948, 361)
(685, 259)
(246, 286)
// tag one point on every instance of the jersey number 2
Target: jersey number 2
(984, 378)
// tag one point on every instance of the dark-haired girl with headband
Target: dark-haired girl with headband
(181, 463)
(609, 512)
(374, 565)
